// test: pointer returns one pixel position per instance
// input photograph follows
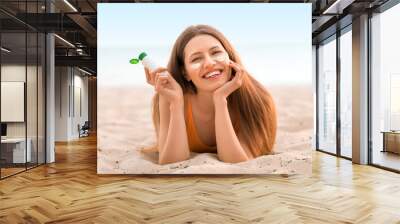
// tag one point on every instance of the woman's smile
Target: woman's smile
(215, 74)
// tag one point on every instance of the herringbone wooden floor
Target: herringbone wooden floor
(70, 191)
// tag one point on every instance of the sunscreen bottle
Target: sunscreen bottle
(147, 62)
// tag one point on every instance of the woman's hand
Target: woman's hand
(166, 86)
(151, 76)
(224, 91)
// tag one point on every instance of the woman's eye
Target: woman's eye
(216, 52)
(195, 59)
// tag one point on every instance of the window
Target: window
(346, 93)
(385, 89)
(22, 65)
(327, 96)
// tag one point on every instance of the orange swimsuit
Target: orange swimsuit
(195, 143)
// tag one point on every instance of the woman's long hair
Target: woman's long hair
(251, 104)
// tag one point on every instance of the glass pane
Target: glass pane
(346, 94)
(41, 98)
(13, 86)
(386, 89)
(31, 84)
(327, 97)
(31, 101)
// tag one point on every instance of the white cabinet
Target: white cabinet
(18, 149)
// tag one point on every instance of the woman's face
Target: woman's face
(206, 63)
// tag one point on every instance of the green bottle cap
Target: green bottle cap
(134, 61)
(142, 56)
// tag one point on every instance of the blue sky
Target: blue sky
(273, 40)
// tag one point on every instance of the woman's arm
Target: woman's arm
(228, 145)
(172, 138)
(163, 106)
(173, 143)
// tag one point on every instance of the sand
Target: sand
(125, 127)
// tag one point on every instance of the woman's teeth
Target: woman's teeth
(212, 74)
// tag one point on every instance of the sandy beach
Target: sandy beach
(125, 127)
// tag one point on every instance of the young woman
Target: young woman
(209, 103)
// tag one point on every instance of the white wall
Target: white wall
(70, 83)
(17, 73)
(62, 82)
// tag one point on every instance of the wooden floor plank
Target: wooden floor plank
(70, 191)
